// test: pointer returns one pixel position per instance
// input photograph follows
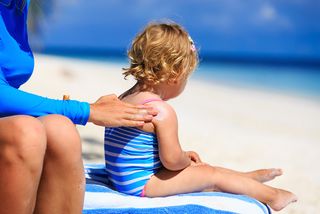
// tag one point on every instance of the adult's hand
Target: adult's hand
(109, 111)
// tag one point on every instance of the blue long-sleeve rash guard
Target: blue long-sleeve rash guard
(16, 67)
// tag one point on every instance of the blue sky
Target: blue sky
(278, 28)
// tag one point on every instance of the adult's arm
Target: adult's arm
(17, 102)
(106, 111)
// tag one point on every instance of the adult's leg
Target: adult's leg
(203, 177)
(61, 188)
(22, 149)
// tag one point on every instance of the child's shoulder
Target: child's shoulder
(165, 111)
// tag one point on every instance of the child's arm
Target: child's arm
(166, 126)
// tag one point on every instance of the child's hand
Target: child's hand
(194, 157)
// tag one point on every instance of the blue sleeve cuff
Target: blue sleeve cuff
(75, 110)
(14, 102)
(86, 113)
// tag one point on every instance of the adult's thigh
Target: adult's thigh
(21, 138)
(63, 140)
(22, 149)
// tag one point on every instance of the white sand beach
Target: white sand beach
(235, 128)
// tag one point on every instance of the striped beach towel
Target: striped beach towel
(99, 198)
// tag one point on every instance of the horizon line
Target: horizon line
(213, 57)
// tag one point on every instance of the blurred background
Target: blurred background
(272, 45)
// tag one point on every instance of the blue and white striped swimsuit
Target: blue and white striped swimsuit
(132, 157)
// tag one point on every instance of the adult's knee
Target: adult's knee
(23, 140)
(63, 138)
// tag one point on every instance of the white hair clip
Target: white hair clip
(193, 47)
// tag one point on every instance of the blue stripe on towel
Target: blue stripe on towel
(175, 210)
(100, 198)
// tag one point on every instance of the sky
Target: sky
(277, 28)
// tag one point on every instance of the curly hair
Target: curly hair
(162, 52)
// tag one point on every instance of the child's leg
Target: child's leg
(261, 175)
(199, 178)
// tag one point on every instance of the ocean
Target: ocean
(292, 80)
(284, 78)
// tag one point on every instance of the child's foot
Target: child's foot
(282, 199)
(264, 175)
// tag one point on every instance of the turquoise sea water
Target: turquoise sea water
(302, 81)
(291, 80)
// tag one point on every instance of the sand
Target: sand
(241, 129)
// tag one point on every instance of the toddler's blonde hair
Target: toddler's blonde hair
(162, 52)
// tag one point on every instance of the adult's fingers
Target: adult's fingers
(132, 123)
(138, 117)
(150, 109)
(145, 113)
(141, 109)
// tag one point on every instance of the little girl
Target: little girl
(149, 161)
